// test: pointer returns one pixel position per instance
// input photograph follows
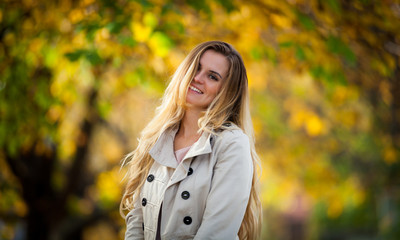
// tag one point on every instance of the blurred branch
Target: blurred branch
(117, 131)
(395, 106)
(73, 227)
(78, 167)
(9, 217)
(18, 167)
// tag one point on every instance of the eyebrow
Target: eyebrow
(216, 73)
(213, 72)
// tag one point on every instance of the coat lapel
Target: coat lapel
(163, 153)
(163, 150)
(202, 146)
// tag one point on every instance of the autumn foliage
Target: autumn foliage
(80, 79)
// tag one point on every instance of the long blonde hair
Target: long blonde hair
(230, 105)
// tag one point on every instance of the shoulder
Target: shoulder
(231, 137)
(232, 150)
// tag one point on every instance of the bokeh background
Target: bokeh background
(79, 79)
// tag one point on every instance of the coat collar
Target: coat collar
(163, 150)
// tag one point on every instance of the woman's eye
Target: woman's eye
(213, 77)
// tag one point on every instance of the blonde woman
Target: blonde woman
(194, 172)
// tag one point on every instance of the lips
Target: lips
(195, 89)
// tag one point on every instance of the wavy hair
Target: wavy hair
(230, 105)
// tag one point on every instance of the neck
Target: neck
(189, 126)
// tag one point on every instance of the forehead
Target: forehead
(215, 61)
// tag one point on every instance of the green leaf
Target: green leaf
(50, 56)
(168, 7)
(335, 6)
(300, 55)
(150, 20)
(91, 30)
(228, 5)
(91, 55)
(41, 97)
(317, 72)
(74, 56)
(286, 44)
(328, 76)
(337, 46)
(138, 77)
(104, 108)
(115, 27)
(160, 43)
(12, 146)
(306, 21)
(200, 5)
(145, 4)
(174, 26)
(256, 53)
(127, 40)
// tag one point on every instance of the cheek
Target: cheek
(216, 88)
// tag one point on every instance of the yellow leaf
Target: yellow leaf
(314, 125)
(75, 15)
(335, 208)
(390, 155)
(150, 20)
(102, 35)
(9, 39)
(100, 231)
(281, 21)
(257, 73)
(112, 151)
(20, 208)
(141, 33)
(384, 88)
(160, 44)
(347, 117)
(297, 119)
(67, 149)
(87, 2)
(258, 126)
(54, 113)
(108, 185)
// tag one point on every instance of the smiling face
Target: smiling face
(212, 71)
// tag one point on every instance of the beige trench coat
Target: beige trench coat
(203, 197)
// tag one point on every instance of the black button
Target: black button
(150, 178)
(187, 220)
(185, 195)
(144, 202)
(190, 171)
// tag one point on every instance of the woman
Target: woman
(193, 174)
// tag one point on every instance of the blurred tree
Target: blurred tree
(78, 79)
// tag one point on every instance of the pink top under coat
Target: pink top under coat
(181, 153)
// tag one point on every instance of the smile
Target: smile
(195, 89)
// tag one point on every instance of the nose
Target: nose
(198, 77)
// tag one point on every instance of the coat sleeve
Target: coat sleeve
(134, 223)
(230, 189)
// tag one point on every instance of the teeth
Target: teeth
(195, 89)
